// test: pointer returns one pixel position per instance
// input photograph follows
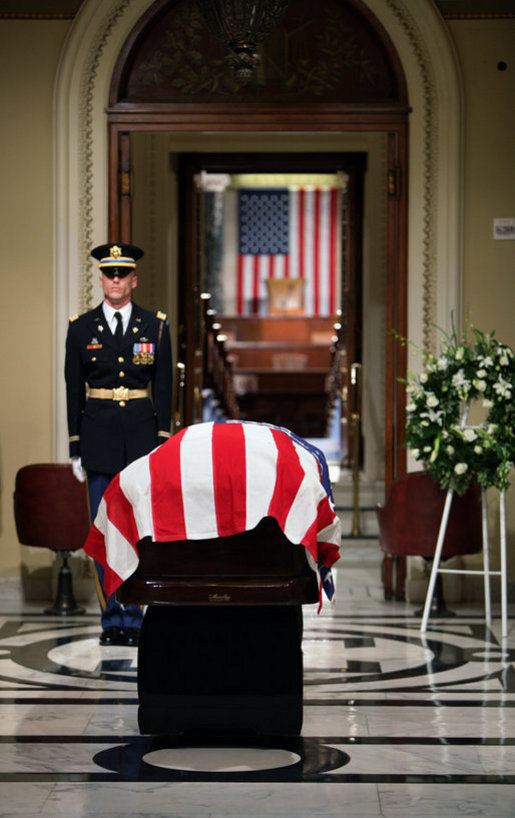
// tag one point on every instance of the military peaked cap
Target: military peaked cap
(117, 255)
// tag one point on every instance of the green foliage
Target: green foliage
(437, 433)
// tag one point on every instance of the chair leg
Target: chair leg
(400, 578)
(387, 575)
(64, 604)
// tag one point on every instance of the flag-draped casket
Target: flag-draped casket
(215, 480)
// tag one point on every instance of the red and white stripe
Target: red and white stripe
(314, 255)
(213, 480)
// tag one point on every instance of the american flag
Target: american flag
(289, 233)
(212, 480)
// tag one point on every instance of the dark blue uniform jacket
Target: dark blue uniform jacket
(109, 434)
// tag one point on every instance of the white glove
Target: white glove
(78, 471)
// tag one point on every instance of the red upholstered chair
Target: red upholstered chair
(51, 511)
(409, 522)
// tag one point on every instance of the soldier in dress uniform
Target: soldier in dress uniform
(118, 372)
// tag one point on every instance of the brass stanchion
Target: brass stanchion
(355, 374)
(178, 414)
(344, 421)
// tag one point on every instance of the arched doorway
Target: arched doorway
(157, 80)
(96, 46)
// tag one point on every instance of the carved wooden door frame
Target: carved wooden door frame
(352, 163)
(124, 122)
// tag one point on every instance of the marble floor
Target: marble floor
(396, 723)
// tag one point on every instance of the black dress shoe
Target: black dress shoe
(112, 636)
(131, 637)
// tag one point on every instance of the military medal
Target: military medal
(143, 353)
(94, 344)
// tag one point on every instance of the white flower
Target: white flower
(415, 453)
(459, 380)
(434, 417)
(502, 388)
(435, 399)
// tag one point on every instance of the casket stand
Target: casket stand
(220, 646)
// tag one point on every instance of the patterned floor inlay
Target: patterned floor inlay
(391, 718)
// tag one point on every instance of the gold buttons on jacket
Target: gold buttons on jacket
(121, 374)
(121, 403)
(120, 359)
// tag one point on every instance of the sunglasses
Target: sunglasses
(118, 272)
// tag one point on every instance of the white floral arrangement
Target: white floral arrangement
(454, 453)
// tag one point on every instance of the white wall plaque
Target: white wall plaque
(504, 228)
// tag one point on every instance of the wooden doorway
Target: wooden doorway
(372, 105)
(347, 307)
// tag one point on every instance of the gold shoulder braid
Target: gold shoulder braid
(162, 318)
